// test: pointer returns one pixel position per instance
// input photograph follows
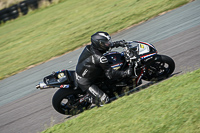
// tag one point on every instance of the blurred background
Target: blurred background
(11, 9)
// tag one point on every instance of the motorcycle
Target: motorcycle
(149, 66)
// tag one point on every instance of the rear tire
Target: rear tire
(161, 68)
(63, 100)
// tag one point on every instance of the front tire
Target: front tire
(161, 68)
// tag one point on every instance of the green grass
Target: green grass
(53, 31)
(172, 106)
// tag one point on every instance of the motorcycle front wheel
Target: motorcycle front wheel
(161, 68)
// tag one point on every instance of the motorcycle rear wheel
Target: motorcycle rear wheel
(64, 99)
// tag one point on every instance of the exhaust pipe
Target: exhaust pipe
(42, 85)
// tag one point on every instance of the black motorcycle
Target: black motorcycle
(150, 66)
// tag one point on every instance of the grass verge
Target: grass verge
(53, 31)
(170, 106)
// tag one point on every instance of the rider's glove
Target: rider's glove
(120, 43)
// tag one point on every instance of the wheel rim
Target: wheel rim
(159, 69)
(67, 104)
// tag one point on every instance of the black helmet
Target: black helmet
(101, 41)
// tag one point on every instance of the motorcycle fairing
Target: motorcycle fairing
(147, 56)
(115, 59)
(143, 49)
(150, 45)
(146, 51)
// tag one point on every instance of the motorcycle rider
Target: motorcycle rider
(92, 64)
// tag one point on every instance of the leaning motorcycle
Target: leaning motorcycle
(71, 100)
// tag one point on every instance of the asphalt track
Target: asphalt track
(23, 109)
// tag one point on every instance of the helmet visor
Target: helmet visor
(108, 43)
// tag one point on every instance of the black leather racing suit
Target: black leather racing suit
(91, 65)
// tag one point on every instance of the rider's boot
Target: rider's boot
(98, 97)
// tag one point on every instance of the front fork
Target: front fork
(138, 79)
(137, 75)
